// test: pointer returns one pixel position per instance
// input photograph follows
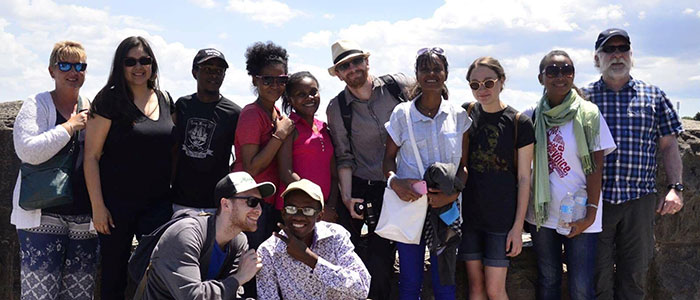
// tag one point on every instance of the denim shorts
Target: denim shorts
(490, 247)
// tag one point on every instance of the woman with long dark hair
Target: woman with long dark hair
(128, 158)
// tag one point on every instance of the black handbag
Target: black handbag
(49, 184)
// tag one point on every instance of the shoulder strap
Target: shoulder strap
(515, 141)
(412, 137)
(393, 87)
(345, 113)
(470, 107)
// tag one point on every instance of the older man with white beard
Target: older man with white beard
(639, 116)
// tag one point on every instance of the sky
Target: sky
(665, 39)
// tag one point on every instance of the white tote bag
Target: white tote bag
(399, 220)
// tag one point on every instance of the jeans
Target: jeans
(58, 258)
(411, 260)
(580, 255)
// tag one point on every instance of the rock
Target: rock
(9, 248)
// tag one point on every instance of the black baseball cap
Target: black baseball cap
(207, 54)
(238, 182)
(609, 33)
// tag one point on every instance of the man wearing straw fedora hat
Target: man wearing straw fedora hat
(356, 120)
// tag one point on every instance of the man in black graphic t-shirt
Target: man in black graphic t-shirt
(205, 124)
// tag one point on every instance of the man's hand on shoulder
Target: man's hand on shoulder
(249, 265)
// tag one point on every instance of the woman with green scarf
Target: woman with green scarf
(571, 139)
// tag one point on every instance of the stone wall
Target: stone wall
(674, 273)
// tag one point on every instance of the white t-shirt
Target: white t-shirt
(565, 171)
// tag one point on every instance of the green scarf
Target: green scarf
(586, 122)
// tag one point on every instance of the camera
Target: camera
(367, 210)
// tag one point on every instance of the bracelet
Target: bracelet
(388, 180)
(592, 205)
(275, 136)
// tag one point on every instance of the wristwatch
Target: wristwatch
(676, 186)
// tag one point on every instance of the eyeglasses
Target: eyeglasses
(268, 80)
(488, 83)
(436, 50)
(66, 66)
(143, 60)
(346, 65)
(293, 210)
(251, 201)
(553, 70)
(611, 49)
(212, 70)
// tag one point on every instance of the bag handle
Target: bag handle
(412, 137)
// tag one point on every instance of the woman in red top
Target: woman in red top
(308, 153)
(262, 129)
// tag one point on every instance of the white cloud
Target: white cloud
(642, 15)
(688, 11)
(314, 40)
(266, 11)
(328, 16)
(223, 35)
(204, 3)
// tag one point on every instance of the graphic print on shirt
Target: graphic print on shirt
(198, 136)
(484, 158)
(555, 151)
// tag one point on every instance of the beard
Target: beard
(357, 80)
(611, 72)
(242, 223)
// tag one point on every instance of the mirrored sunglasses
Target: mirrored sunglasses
(553, 70)
(66, 66)
(488, 83)
(436, 50)
(251, 201)
(143, 60)
(269, 80)
(306, 211)
(346, 65)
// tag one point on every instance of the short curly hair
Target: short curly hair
(261, 55)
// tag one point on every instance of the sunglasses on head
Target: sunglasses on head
(251, 201)
(143, 60)
(269, 80)
(552, 71)
(611, 49)
(488, 83)
(66, 66)
(346, 65)
(436, 50)
(293, 210)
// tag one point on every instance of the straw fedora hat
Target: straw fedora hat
(342, 51)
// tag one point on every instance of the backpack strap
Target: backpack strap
(345, 112)
(515, 141)
(393, 87)
(470, 107)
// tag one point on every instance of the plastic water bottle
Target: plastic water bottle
(580, 199)
(566, 214)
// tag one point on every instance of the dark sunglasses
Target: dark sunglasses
(611, 49)
(293, 210)
(436, 50)
(251, 201)
(346, 65)
(553, 70)
(269, 80)
(143, 60)
(488, 83)
(66, 66)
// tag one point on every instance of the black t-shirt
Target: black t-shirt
(490, 196)
(81, 200)
(135, 167)
(205, 133)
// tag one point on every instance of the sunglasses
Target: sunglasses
(251, 201)
(488, 83)
(269, 80)
(143, 60)
(611, 49)
(436, 50)
(346, 65)
(553, 70)
(306, 211)
(66, 66)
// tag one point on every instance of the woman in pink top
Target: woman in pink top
(261, 129)
(308, 153)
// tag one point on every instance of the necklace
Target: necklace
(425, 111)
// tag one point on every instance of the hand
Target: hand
(350, 204)
(404, 189)
(78, 121)
(514, 242)
(248, 265)
(329, 215)
(436, 198)
(296, 248)
(284, 126)
(577, 227)
(671, 204)
(102, 219)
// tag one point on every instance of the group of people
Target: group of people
(294, 216)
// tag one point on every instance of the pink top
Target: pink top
(255, 127)
(311, 155)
